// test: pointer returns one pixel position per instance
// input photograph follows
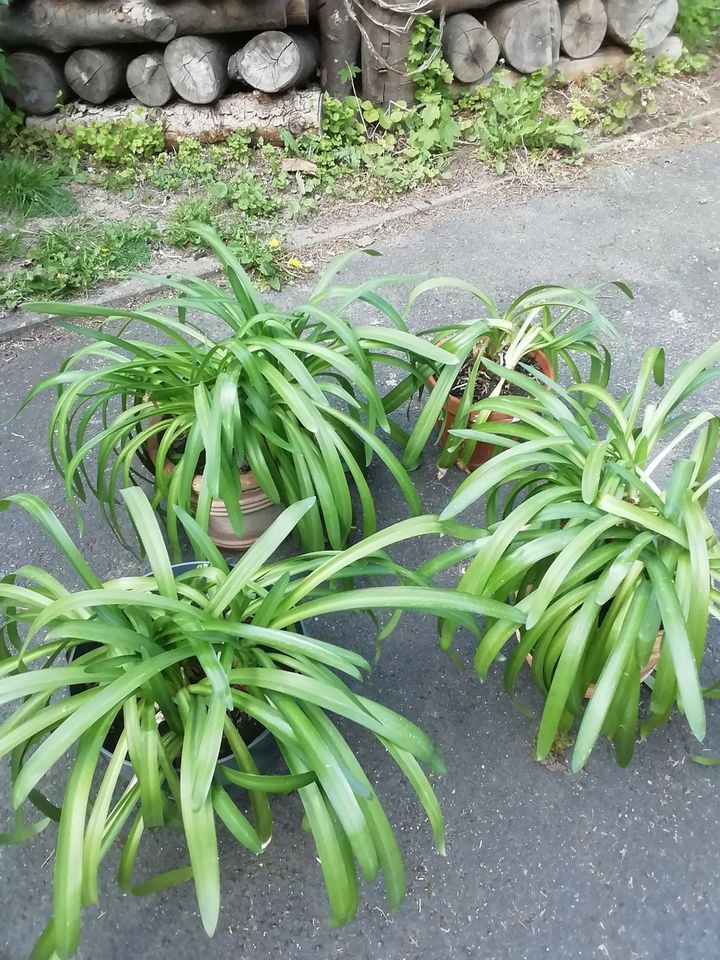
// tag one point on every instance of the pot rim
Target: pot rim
(452, 403)
(248, 480)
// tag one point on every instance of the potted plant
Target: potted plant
(607, 561)
(541, 328)
(279, 406)
(165, 670)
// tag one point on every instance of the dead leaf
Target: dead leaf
(298, 165)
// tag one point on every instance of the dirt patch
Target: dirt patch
(486, 381)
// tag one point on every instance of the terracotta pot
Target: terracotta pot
(483, 451)
(644, 673)
(258, 511)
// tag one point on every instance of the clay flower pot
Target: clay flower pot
(483, 451)
(258, 511)
(646, 671)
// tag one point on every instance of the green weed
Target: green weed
(503, 118)
(9, 244)
(698, 25)
(188, 212)
(68, 259)
(29, 188)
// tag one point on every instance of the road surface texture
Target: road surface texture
(610, 864)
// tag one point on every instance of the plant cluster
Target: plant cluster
(32, 189)
(505, 118)
(592, 566)
(292, 397)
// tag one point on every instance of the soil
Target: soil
(177, 449)
(485, 381)
(248, 728)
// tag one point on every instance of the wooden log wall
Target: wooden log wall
(161, 51)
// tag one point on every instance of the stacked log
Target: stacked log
(469, 47)
(161, 50)
(63, 25)
(197, 68)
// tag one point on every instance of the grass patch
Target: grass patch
(68, 259)
(29, 188)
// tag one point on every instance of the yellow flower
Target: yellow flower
(294, 263)
(274, 243)
(104, 249)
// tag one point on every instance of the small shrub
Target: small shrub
(29, 188)
(698, 25)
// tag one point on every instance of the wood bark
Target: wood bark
(583, 27)
(197, 67)
(339, 44)
(436, 8)
(649, 21)
(148, 80)
(469, 47)
(274, 61)
(385, 44)
(259, 115)
(63, 25)
(96, 73)
(38, 83)
(73, 23)
(237, 16)
(528, 32)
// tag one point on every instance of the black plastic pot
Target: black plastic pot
(263, 749)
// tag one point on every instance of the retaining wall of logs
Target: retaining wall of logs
(188, 57)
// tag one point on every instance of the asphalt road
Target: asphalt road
(609, 864)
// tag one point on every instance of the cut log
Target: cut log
(612, 59)
(528, 32)
(96, 73)
(237, 16)
(274, 61)
(259, 115)
(648, 21)
(74, 23)
(339, 45)
(385, 44)
(469, 48)
(63, 25)
(197, 67)
(148, 80)
(38, 82)
(583, 27)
